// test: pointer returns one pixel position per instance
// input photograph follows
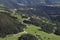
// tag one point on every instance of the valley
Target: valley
(29, 20)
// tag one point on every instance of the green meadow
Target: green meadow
(30, 29)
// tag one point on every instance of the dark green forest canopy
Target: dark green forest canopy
(27, 37)
(9, 25)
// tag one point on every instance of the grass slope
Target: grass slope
(31, 29)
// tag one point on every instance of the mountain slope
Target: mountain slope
(17, 3)
(14, 3)
(9, 25)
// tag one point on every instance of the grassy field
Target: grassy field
(13, 36)
(31, 29)
(42, 35)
